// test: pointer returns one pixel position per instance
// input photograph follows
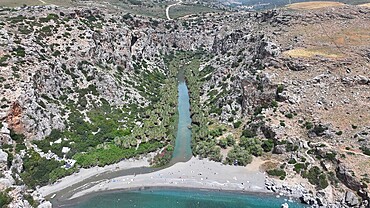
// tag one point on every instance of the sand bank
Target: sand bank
(195, 173)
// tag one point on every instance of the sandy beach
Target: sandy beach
(195, 173)
(202, 174)
(91, 172)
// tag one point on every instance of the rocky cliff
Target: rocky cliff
(79, 82)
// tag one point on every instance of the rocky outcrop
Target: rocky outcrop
(257, 93)
(3, 160)
(347, 178)
(14, 118)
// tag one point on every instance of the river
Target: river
(170, 197)
(182, 151)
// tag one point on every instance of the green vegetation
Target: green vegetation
(289, 115)
(112, 129)
(316, 177)
(111, 133)
(277, 172)
(5, 199)
(252, 145)
(110, 153)
(298, 167)
(30, 200)
(238, 156)
(3, 60)
(41, 171)
(308, 125)
(365, 150)
(267, 145)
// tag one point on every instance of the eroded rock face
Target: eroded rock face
(14, 118)
(257, 93)
(346, 177)
(268, 48)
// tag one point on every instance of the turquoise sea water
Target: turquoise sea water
(177, 198)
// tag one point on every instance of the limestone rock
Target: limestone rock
(351, 199)
(45, 204)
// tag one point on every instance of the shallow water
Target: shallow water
(182, 151)
(180, 198)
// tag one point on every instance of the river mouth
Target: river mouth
(160, 195)
(182, 151)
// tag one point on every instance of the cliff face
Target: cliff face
(296, 80)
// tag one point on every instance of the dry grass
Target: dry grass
(314, 5)
(358, 163)
(353, 36)
(17, 3)
(365, 5)
(308, 53)
(268, 165)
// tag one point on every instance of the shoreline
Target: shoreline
(93, 172)
(193, 174)
(88, 196)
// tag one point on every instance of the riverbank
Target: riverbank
(196, 173)
(86, 173)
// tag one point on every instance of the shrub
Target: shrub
(253, 145)
(30, 200)
(249, 133)
(277, 172)
(291, 147)
(223, 143)
(316, 177)
(237, 124)
(299, 166)
(230, 140)
(365, 150)
(282, 123)
(289, 115)
(292, 161)
(280, 88)
(308, 125)
(319, 129)
(268, 145)
(238, 156)
(5, 199)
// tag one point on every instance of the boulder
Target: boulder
(268, 48)
(45, 204)
(279, 149)
(285, 205)
(351, 199)
(307, 199)
(3, 156)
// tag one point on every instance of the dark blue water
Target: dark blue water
(176, 198)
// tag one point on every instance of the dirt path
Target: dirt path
(168, 9)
